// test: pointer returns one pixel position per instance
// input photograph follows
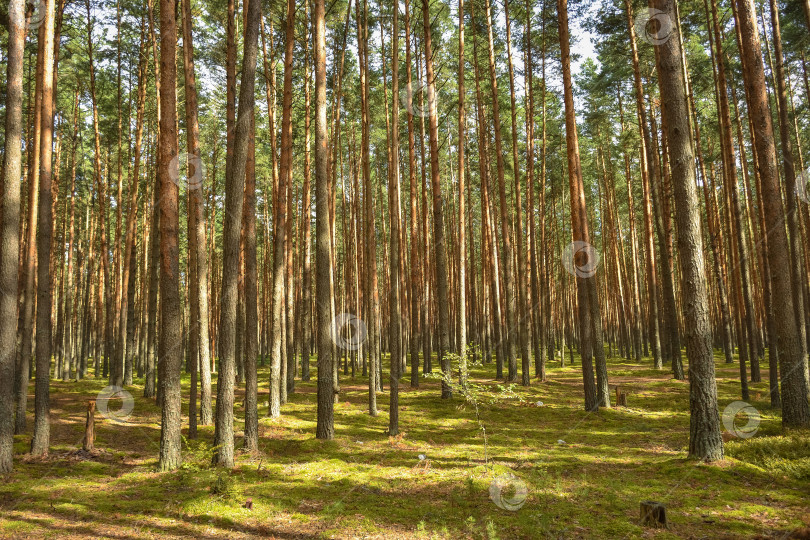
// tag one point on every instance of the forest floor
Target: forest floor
(573, 474)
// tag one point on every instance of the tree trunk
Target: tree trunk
(325, 428)
(510, 330)
(590, 344)
(705, 442)
(795, 410)
(796, 254)
(42, 424)
(439, 249)
(234, 199)
(394, 306)
(171, 326)
(9, 228)
(197, 242)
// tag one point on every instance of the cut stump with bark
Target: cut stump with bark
(621, 396)
(653, 514)
(90, 427)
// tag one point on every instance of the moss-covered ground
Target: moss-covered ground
(584, 474)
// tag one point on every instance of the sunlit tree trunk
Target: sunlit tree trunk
(462, 218)
(795, 410)
(590, 329)
(393, 216)
(234, 199)
(510, 330)
(796, 254)
(325, 428)
(171, 353)
(415, 278)
(705, 442)
(439, 249)
(42, 406)
(197, 243)
(522, 284)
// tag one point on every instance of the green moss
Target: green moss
(364, 483)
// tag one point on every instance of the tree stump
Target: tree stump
(653, 514)
(90, 427)
(621, 397)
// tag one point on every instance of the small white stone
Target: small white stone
(421, 457)
(539, 403)
(560, 441)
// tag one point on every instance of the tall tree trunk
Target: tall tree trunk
(649, 245)
(795, 410)
(414, 212)
(279, 224)
(705, 442)
(197, 243)
(510, 330)
(394, 306)
(234, 199)
(251, 340)
(372, 299)
(796, 254)
(306, 219)
(120, 350)
(462, 217)
(325, 428)
(440, 252)
(522, 328)
(26, 326)
(101, 182)
(171, 324)
(590, 341)
(9, 228)
(42, 423)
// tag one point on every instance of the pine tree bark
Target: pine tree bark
(795, 410)
(171, 326)
(26, 322)
(510, 330)
(306, 219)
(197, 241)
(649, 245)
(325, 428)
(393, 215)
(796, 245)
(42, 407)
(251, 443)
(372, 299)
(279, 223)
(120, 350)
(522, 325)
(234, 200)
(9, 228)
(414, 212)
(590, 344)
(439, 250)
(705, 442)
(462, 210)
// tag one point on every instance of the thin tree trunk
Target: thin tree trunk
(325, 428)
(590, 344)
(510, 329)
(440, 252)
(42, 424)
